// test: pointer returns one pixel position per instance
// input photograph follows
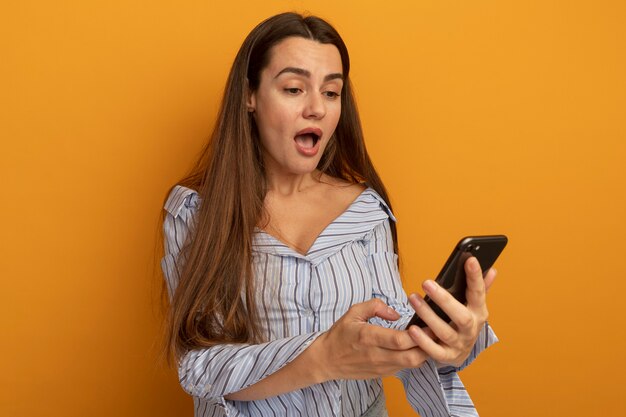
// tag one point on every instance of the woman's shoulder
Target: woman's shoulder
(342, 189)
(181, 198)
(367, 199)
(358, 196)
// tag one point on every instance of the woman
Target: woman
(281, 250)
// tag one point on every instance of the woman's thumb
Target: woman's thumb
(373, 308)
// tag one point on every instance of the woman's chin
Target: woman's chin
(307, 169)
(293, 165)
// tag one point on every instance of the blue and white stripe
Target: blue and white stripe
(299, 297)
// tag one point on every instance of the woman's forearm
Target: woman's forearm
(305, 370)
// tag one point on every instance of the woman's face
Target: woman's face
(297, 104)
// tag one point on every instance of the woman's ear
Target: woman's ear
(250, 99)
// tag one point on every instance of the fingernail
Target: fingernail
(392, 311)
(430, 286)
(417, 300)
(495, 271)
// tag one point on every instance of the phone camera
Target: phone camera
(470, 247)
(477, 247)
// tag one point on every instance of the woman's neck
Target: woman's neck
(286, 185)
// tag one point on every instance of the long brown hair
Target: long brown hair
(209, 306)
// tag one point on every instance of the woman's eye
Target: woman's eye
(331, 94)
(293, 91)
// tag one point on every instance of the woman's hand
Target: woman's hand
(355, 349)
(451, 344)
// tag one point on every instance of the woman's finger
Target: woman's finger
(372, 308)
(490, 278)
(456, 311)
(391, 361)
(389, 339)
(475, 292)
(428, 345)
(439, 328)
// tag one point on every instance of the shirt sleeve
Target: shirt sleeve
(212, 373)
(432, 390)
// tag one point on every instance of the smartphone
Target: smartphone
(452, 277)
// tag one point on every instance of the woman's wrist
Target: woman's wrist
(316, 362)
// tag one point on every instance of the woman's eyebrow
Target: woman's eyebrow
(307, 74)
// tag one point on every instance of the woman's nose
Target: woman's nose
(315, 107)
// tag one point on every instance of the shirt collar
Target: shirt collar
(366, 212)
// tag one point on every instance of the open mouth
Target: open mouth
(308, 138)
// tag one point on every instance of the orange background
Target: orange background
(482, 117)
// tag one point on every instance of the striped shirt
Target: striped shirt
(299, 297)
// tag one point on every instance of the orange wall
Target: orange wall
(482, 117)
